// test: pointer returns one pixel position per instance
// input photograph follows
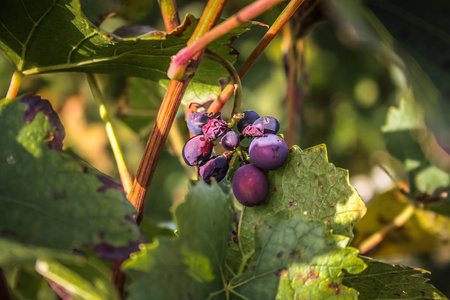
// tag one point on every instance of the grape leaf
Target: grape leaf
(296, 258)
(382, 280)
(25, 283)
(194, 260)
(402, 132)
(54, 35)
(307, 185)
(50, 199)
(82, 275)
(86, 280)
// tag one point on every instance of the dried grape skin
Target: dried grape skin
(216, 167)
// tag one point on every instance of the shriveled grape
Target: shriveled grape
(216, 167)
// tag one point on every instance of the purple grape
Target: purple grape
(250, 185)
(250, 116)
(268, 152)
(230, 140)
(196, 121)
(197, 150)
(269, 124)
(215, 128)
(216, 167)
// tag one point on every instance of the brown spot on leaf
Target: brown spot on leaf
(274, 188)
(332, 205)
(282, 273)
(313, 275)
(335, 286)
(280, 254)
(320, 184)
(295, 254)
(299, 164)
(109, 183)
(292, 203)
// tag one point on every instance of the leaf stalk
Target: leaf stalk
(125, 176)
(14, 86)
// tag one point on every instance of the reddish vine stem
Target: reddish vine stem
(282, 19)
(166, 115)
(183, 57)
(170, 14)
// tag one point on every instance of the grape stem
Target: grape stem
(282, 19)
(125, 176)
(166, 114)
(169, 13)
(236, 80)
(182, 59)
(171, 21)
(13, 89)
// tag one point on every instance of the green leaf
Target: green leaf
(195, 260)
(54, 36)
(297, 258)
(307, 185)
(86, 280)
(50, 199)
(432, 178)
(197, 93)
(25, 283)
(403, 132)
(81, 275)
(382, 280)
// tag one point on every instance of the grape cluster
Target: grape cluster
(267, 151)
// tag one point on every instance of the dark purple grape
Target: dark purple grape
(215, 128)
(253, 130)
(268, 152)
(230, 140)
(196, 121)
(197, 150)
(269, 124)
(216, 167)
(250, 116)
(250, 185)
